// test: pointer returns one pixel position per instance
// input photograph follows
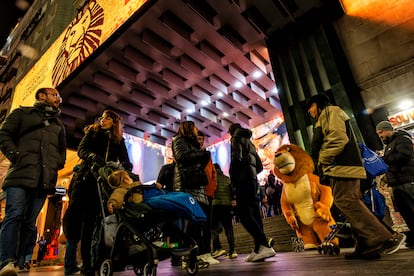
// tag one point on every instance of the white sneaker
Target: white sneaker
(218, 253)
(8, 270)
(231, 255)
(264, 253)
(250, 257)
(209, 259)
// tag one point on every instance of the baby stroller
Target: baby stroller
(141, 236)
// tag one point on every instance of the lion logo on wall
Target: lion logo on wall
(82, 38)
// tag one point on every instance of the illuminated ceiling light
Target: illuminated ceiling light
(225, 114)
(220, 94)
(275, 90)
(238, 84)
(190, 110)
(405, 104)
(204, 103)
(257, 74)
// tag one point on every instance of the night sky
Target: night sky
(9, 16)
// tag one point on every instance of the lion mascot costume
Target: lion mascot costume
(305, 202)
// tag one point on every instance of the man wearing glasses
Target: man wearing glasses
(33, 139)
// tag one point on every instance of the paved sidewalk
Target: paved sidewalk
(283, 264)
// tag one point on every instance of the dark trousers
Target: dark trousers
(249, 211)
(404, 201)
(366, 228)
(221, 214)
(200, 231)
(80, 219)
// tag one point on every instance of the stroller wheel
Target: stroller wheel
(150, 269)
(192, 268)
(320, 249)
(106, 268)
(139, 270)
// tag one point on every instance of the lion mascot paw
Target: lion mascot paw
(305, 202)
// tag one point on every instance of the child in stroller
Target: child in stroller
(144, 220)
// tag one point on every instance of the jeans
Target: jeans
(71, 266)
(22, 209)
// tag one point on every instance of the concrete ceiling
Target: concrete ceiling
(182, 56)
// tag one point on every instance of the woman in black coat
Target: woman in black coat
(102, 142)
(187, 153)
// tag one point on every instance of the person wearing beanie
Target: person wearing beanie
(399, 156)
(336, 153)
(384, 125)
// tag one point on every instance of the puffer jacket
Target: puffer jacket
(245, 162)
(223, 194)
(106, 149)
(36, 150)
(399, 155)
(187, 152)
(99, 143)
(339, 154)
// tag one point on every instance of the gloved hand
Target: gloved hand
(93, 157)
(12, 156)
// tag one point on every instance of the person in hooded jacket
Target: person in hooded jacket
(34, 140)
(245, 164)
(337, 154)
(399, 156)
(102, 143)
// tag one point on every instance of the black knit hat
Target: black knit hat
(321, 101)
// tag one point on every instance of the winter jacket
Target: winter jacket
(106, 149)
(223, 194)
(245, 162)
(96, 146)
(339, 154)
(212, 179)
(35, 147)
(399, 155)
(187, 152)
(166, 176)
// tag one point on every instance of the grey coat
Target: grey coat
(36, 151)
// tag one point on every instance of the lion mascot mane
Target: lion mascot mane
(305, 202)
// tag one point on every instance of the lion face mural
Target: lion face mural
(305, 202)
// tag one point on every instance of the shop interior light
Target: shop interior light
(405, 104)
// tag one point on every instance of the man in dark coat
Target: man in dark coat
(33, 139)
(399, 156)
(245, 164)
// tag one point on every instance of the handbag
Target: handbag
(193, 176)
(375, 201)
(373, 163)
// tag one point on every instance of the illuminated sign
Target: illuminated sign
(95, 23)
(402, 119)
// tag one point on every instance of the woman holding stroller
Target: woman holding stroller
(101, 143)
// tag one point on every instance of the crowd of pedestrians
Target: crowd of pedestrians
(40, 151)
